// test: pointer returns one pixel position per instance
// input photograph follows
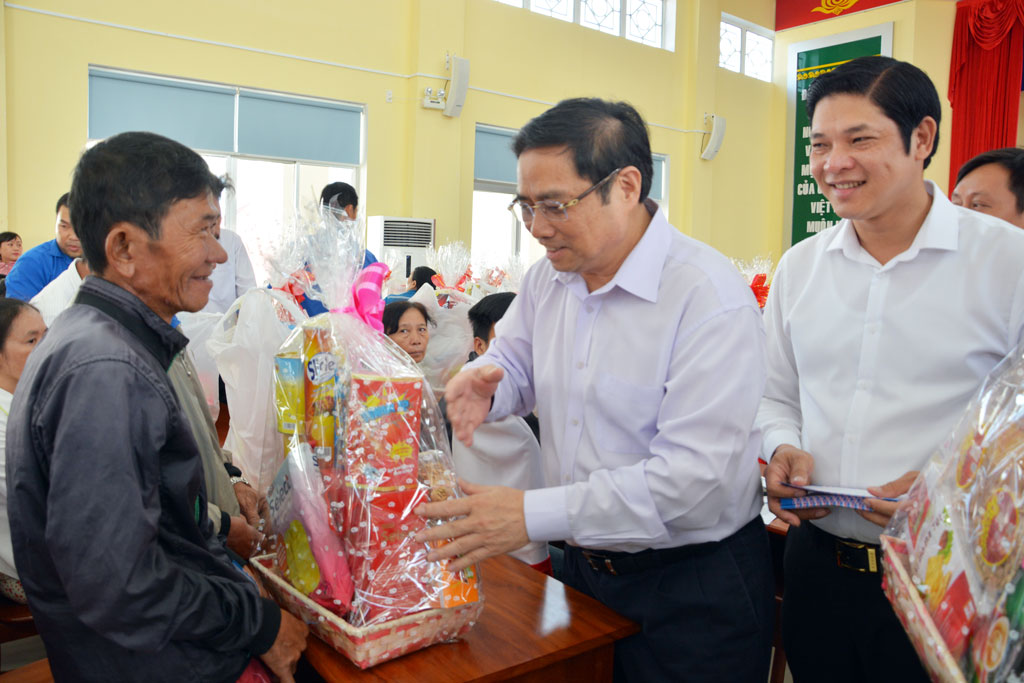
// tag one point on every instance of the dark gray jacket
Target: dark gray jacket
(123, 573)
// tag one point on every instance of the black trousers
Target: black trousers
(706, 617)
(837, 624)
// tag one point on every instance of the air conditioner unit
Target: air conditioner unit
(404, 240)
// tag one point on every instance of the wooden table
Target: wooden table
(533, 628)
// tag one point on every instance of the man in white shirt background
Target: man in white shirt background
(642, 351)
(880, 330)
(505, 452)
(993, 183)
(232, 278)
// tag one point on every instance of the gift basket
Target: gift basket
(365, 445)
(757, 272)
(953, 552)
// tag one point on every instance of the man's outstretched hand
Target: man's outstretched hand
(469, 396)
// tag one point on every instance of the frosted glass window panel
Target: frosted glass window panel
(757, 59)
(313, 178)
(729, 40)
(264, 205)
(644, 21)
(603, 15)
(218, 164)
(494, 228)
(559, 9)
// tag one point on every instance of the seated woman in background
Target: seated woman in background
(10, 250)
(21, 328)
(421, 275)
(407, 323)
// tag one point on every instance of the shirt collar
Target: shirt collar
(940, 230)
(54, 249)
(640, 273)
(159, 338)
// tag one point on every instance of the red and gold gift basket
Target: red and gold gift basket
(758, 273)
(953, 553)
(365, 444)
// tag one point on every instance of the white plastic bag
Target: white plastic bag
(243, 346)
(451, 339)
(198, 327)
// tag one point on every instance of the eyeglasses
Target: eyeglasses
(549, 208)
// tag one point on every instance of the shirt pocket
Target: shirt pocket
(623, 414)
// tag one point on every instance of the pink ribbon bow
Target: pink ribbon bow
(366, 302)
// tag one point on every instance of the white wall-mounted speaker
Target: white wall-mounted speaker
(459, 85)
(715, 138)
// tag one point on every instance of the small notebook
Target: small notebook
(829, 496)
(828, 500)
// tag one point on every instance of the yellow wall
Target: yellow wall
(742, 171)
(1020, 122)
(420, 163)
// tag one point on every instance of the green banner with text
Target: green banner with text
(812, 213)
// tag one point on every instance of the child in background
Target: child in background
(505, 452)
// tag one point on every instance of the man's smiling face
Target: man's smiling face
(859, 158)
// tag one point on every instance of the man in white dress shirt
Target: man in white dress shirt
(880, 330)
(642, 351)
(232, 278)
(505, 451)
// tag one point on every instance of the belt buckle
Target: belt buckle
(870, 551)
(600, 563)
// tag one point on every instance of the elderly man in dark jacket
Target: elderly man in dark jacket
(122, 570)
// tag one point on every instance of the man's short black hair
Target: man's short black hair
(902, 91)
(488, 311)
(343, 193)
(133, 178)
(1010, 158)
(421, 275)
(63, 201)
(601, 136)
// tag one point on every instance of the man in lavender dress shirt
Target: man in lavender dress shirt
(642, 351)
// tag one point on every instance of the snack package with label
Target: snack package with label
(309, 554)
(961, 521)
(368, 417)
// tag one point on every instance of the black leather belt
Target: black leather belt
(617, 563)
(614, 563)
(865, 558)
(860, 557)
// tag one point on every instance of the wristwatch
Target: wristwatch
(240, 480)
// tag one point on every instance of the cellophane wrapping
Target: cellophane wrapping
(371, 423)
(758, 273)
(452, 263)
(309, 553)
(451, 338)
(961, 527)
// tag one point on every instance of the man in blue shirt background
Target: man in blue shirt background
(41, 264)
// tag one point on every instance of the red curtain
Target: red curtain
(985, 77)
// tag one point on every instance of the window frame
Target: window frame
(743, 25)
(666, 39)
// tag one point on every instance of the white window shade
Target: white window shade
(293, 128)
(195, 114)
(493, 159)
